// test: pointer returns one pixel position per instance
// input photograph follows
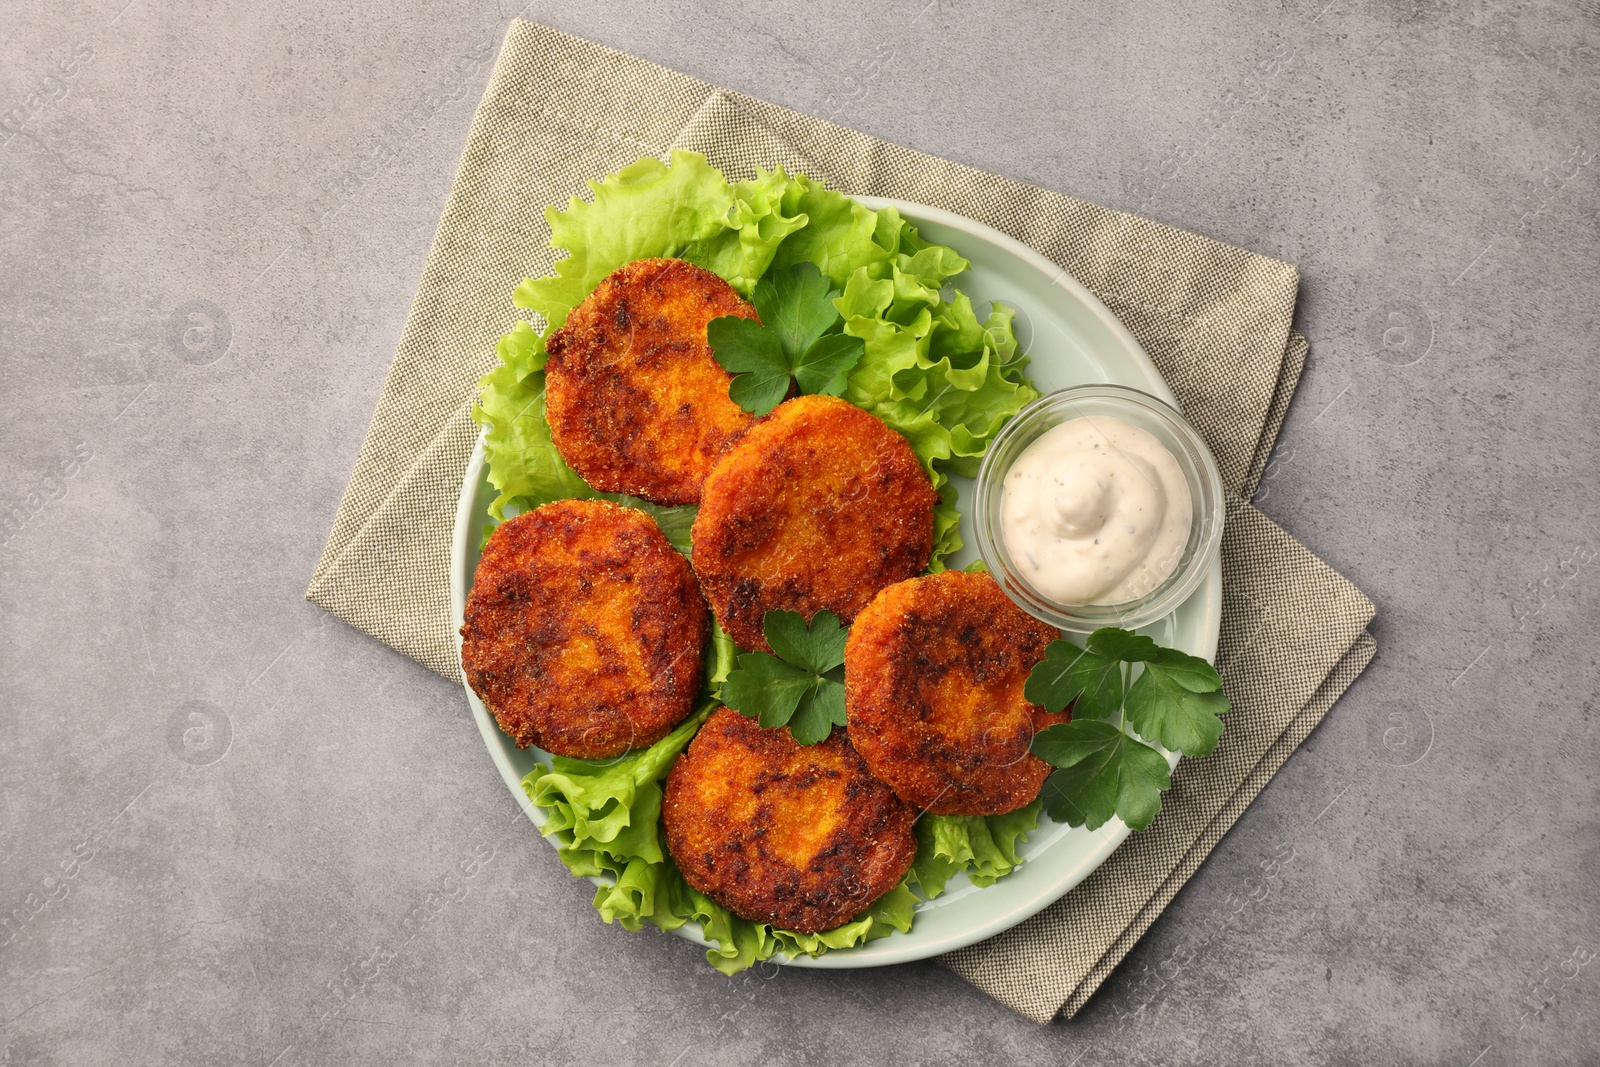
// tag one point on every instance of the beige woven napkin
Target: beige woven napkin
(560, 111)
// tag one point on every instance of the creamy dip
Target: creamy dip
(1095, 511)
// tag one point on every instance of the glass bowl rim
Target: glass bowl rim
(1207, 499)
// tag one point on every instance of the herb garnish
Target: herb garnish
(790, 341)
(802, 686)
(1105, 769)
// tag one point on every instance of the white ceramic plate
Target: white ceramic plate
(1073, 340)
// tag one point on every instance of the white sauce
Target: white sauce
(1095, 511)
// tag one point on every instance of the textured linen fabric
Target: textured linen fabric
(560, 111)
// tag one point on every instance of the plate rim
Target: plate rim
(1110, 836)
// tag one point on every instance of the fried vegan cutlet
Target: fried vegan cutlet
(799, 836)
(635, 401)
(934, 669)
(585, 632)
(819, 505)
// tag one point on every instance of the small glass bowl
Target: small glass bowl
(1167, 426)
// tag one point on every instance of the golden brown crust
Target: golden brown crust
(635, 401)
(934, 671)
(819, 505)
(584, 631)
(802, 837)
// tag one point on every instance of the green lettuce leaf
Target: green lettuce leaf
(605, 817)
(685, 210)
(719, 663)
(524, 466)
(740, 943)
(983, 846)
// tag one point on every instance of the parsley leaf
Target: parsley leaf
(801, 687)
(1103, 772)
(817, 646)
(1176, 701)
(1125, 645)
(791, 341)
(754, 356)
(819, 712)
(766, 687)
(796, 304)
(826, 366)
(1069, 673)
(1104, 768)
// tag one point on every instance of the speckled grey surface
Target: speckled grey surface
(232, 830)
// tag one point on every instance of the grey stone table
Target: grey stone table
(233, 830)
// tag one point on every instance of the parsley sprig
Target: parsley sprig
(802, 686)
(792, 340)
(1104, 769)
